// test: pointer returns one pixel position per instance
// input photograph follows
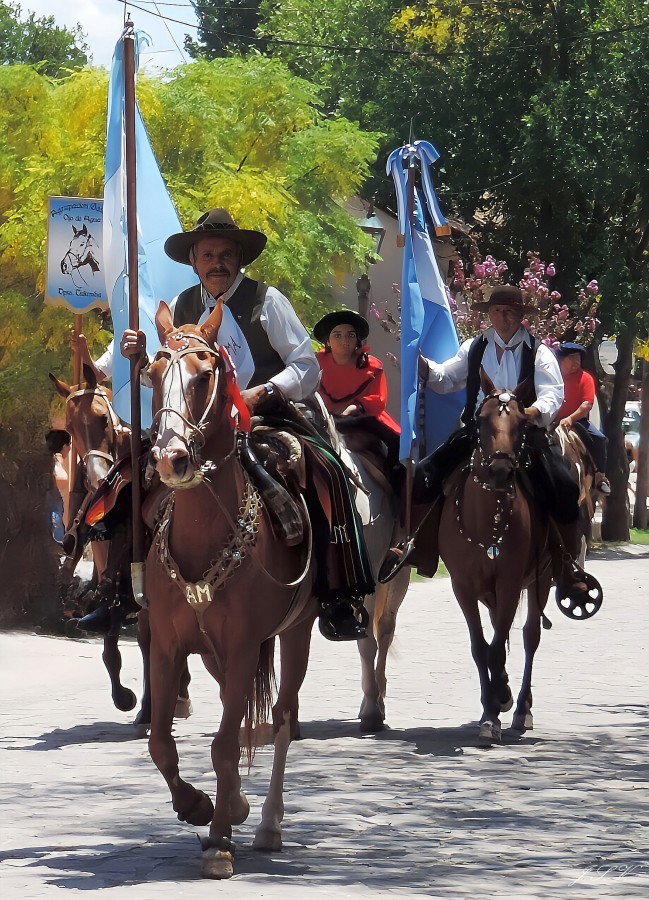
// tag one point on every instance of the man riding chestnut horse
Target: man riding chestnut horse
(275, 363)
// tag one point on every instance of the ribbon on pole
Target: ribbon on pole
(427, 324)
(159, 277)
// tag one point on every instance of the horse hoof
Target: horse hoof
(124, 699)
(489, 733)
(268, 837)
(141, 729)
(372, 724)
(183, 709)
(201, 813)
(523, 722)
(217, 863)
(507, 704)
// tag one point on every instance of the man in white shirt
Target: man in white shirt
(509, 354)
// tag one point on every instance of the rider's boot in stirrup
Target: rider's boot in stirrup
(340, 620)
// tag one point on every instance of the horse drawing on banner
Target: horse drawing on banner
(81, 261)
(101, 441)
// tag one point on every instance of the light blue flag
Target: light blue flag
(159, 278)
(427, 324)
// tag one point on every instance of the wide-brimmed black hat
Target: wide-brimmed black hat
(569, 347)
(327, 323)
(216, 223)
(505, 295)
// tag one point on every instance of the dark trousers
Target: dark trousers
(596, 442)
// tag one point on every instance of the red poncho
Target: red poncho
(341, 386)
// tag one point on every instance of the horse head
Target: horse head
(93, 423)
(190, 397)
(501, 424)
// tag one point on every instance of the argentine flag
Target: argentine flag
(427, 324)
(159, 278)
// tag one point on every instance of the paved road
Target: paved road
(417, 810)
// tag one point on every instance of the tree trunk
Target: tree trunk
(640, 513)
(615, 519)
(29, 557)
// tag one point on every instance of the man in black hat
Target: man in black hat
(509, 354)
(269, 345)
(580, 390)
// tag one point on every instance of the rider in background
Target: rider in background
(509, 355)
(353, 382)
(580, 389)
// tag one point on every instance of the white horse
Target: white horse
(379, 513)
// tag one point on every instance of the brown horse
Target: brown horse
(222, 584)
(101, 440)
(584, 470)
(494, 542)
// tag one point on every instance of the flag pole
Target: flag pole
(137, 565)
(76, 380)
(410, 208)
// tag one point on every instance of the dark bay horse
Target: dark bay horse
(221, 583)
(101, 441)
(494, 541)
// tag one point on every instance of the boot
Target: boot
(100, 620)
(602, 484)
(340, 620)
(421, 550)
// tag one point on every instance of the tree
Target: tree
(226, 27)
(540, 113)
(39, 42)
(242, 134)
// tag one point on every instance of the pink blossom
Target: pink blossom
(479, 270)
(592, 286)
(551, 271)
(579, 327)
(555, 295)
(562, 314)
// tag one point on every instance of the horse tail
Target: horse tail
(261, 698)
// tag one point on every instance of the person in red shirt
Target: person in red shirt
(353, 382)
(579, 398)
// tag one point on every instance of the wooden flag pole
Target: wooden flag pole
(410, 472)
(137, 567)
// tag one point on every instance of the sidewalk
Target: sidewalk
(418, 810)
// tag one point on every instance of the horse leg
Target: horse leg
(370, 713)
(231, 805)
(537, 596)
(294, 648)
(123, 697)
(386, 627)
(191, 805)
(184, 707)
(489, 726)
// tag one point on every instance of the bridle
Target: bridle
(118, 427)
(505, 399)
(196, 440)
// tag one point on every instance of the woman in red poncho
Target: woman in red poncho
(353, 383)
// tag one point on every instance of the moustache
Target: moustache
(220, 271)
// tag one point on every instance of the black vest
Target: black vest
(245, 304)
(476, 352)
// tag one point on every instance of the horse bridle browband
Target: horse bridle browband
(196, 439)
(118, 427)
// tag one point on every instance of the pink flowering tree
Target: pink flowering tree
(553, 320)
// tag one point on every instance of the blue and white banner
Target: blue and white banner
(427, 324)
(159, 278)
(75, 262)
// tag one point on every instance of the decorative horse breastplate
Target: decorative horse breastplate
(200, 594)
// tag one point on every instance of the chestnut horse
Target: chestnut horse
(494, 542)
(101, 440)
(222, 584)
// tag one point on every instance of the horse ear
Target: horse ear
(525, 390)
(61, 388)
(486, 383)
(164, 321)
(210, 328)
(90, 377)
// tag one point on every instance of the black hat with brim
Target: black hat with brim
(216, 223)
(327, 323)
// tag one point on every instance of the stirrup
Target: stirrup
(395, 559)
(578, 594)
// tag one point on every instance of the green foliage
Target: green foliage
(227, 26)
(244, 134)
(39, 42)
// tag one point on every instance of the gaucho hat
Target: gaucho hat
(216, 223)
(505, 295)
(327, 323)
(569, 347)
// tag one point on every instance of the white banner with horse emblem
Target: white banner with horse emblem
(75, 263)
